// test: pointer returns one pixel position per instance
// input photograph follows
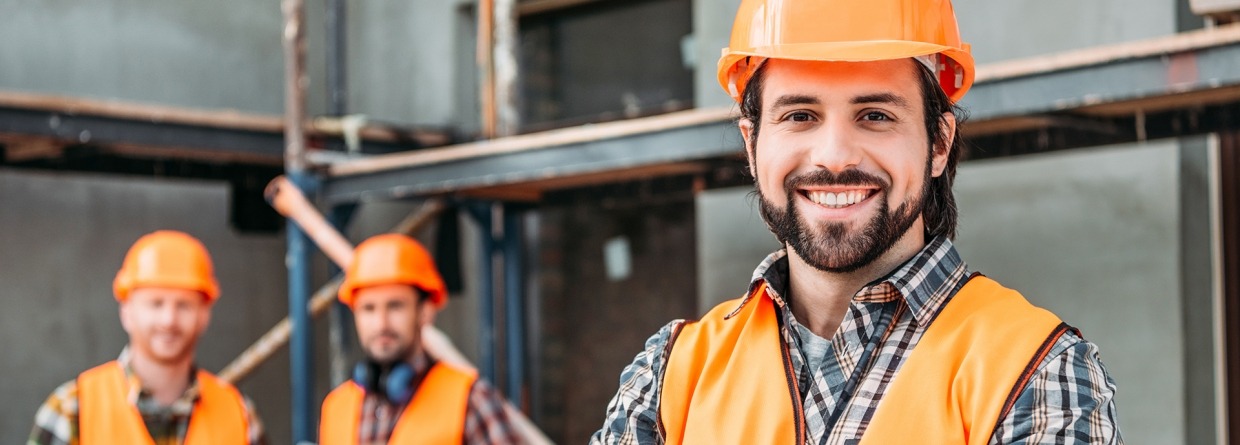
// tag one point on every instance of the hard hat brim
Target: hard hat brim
(733, 81)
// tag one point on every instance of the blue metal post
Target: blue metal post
(514, 303)
(301, 343)
(486, 290)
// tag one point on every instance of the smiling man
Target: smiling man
(867, 327)
(153, 393)
(399, 394)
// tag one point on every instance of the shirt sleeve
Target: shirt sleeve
(486, 422)
(1071, 400)
(255, 431)
(56, 422)
(632, 415)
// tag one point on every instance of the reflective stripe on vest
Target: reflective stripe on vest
(105, 416)
(970, 363)
(436, 415)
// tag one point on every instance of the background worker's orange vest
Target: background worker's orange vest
(720, 385)
(105, 416)
(436, 415)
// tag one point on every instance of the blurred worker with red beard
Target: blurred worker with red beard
(154, 393)
(400, 394)
(867, 326)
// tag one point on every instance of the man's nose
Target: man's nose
(166, 315)
(835, 146)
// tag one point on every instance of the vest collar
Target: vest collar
(143, 400)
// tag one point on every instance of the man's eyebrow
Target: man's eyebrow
(795, 99)
(881, 98)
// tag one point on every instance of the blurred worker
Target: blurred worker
(867, 326)
(399, 394)
(153, 393)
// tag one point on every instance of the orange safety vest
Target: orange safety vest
(953, 388)
(105, 416)
(436, 415)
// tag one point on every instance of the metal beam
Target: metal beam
(175, 133)
(700, 141)
(101, 130)
(1199, 61)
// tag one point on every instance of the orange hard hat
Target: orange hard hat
(847, 31)
(392, 259)
(166, 258)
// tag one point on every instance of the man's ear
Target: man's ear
(426, 317)
(124, 317)
(941, 152)
(204, 318)
(746, 127)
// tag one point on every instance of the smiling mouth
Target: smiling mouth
(838, 199)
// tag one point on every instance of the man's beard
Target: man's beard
(400, 353)
(832, 248)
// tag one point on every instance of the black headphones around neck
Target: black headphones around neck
(392, 382)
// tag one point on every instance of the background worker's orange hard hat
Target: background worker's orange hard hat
(846, 31)
(166, 258)
(392, 259)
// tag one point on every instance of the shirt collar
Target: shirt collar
(142, 399)
(925, 281)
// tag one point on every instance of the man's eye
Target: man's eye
(800, 117)
(876, 116)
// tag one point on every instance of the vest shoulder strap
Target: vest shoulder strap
(970, 364)
(719, 383)
(219, 415)
(437, 412)
(341, 415)
(104, 414)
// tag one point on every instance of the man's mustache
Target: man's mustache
(824, 178)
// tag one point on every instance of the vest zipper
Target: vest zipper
(794, 390)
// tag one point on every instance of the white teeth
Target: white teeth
(836, 200)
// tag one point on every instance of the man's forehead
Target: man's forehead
(156, 292)
(384, 293)
(793, 82)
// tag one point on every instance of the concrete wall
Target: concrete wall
(193, 54)
(732, 239)
(64, 238)
(1010, 30)
(1095, 235)
(228, 55)
(712, 27)
(403, 60)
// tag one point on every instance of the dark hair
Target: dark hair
(939, 207)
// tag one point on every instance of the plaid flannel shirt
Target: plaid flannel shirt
(56, 422)
(485, 419)
(1069, 401)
